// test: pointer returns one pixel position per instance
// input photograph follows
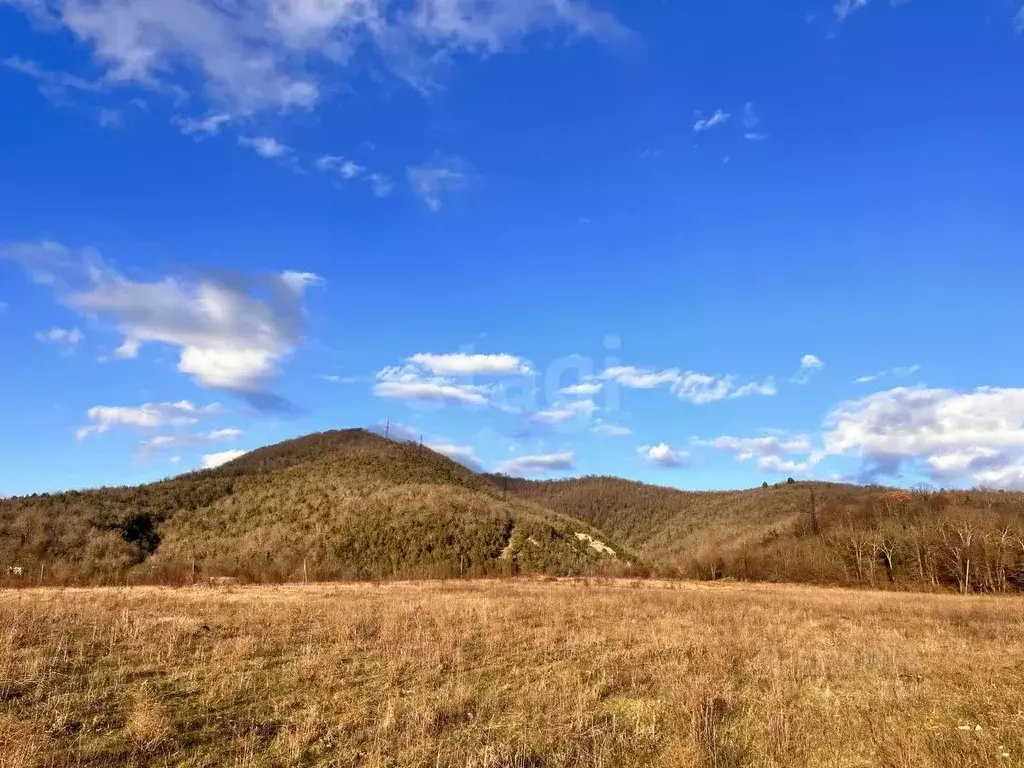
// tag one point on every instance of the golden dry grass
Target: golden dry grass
(510, 673)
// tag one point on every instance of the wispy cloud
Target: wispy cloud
(265, 146)
(560, 413)
(164, 443)
(68, 337)
(382, 185)
(432, 181)
(446, 378)
(706, 124)
(284, 54)
(691, 386)
(609, 429)
(103, 418)
(208, 125)
(541, 464)
(54, 85)
(412, 383)
(346, 169)
(463, 454)
(809, 365)
(462, 364)
(751, 120)
(583, 389)
(110, 118)
(843, 8)
(770, 453)
(899, 372)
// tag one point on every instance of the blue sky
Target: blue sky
(702, 244)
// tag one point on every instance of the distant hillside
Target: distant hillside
(672, 525)
(812, 532)
(353, 505)
(346, 504)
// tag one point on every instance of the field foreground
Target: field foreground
(510, 673)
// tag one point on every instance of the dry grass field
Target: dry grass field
(510, 673)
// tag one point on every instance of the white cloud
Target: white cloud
(641, 378)
(54, 85)
(347, 169)
(563, 412)
(583, 389)
(750, 447)
(209, 125)
(161, 443)
(755, 136)
(431, 181)
(459, 364)
(279, 54)
(102, 418)
(611, 430)
(781, 466)
(696, 388)
(433, 378)
(750, 117)
(811, 363)
(899, 372)
(265, 146)
(1018, 22)
(381, 184)
(110, 118)
(843, 8)
(765, 388)
(974, 436)
(769, 452)
(214, 460)
(700, 388)
(232, 331)
(63, 336)
(663, 455)
(175, 460)
(4, 306)
(539, 464)
(412, 383)
(48, 262)
(706, 124)
(463, 454)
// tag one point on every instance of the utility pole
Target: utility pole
(387, 429)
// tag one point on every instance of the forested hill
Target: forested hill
(335, 505)
(351, 504)
(823, 533)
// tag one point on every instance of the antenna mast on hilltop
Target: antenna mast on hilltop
(387, 429)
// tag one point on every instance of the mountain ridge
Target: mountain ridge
(352, 504)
